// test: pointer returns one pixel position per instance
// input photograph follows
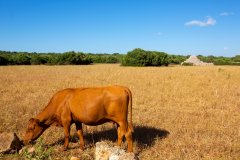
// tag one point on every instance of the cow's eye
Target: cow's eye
(31, 128)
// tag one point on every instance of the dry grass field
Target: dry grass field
(178, 112)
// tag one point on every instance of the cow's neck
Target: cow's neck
(46, 116)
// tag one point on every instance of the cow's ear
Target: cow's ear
(37, 121)
(31, 119)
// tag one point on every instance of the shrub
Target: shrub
(187, 64)
(140, 57)
(105, 58)
(222, 61)
(235, 63)
(236, 59)
(53, 59)
(111, 59)
(159, 59)
(69, 58)
(176, 59)
(21, 59)
(38, 59)
(3, 60)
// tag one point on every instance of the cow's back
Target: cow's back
(100, 104)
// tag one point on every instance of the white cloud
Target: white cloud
(226, 13)
(208, 22)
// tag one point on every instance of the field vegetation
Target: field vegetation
(178, 112)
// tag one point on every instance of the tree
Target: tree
(236, 58)
(21, 59)
(176, 59)
(140, 57)
(38, 59)
(3, 61)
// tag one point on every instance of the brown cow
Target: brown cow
(91, 106)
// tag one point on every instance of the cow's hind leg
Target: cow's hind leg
(80, 134)
(124, 130)
(120, 135)
(128, 136)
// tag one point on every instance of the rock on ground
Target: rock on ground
(9, 142)
(105, 152)
(197, 62)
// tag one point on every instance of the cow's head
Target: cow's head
(34, 130)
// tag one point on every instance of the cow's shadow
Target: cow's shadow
(147, 135)
(144, 136)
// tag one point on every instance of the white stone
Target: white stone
(9, 142)
(196, 62)
(104, 151)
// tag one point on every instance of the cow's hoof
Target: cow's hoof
(81, 148)
(62, 149)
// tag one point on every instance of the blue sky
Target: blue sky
(207, 27)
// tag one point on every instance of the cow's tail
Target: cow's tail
(130, 109)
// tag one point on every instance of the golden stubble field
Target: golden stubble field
(178, 112)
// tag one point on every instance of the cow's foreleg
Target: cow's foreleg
(80, 134)
(66, 127)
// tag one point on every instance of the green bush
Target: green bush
(38, 59)
(235, 63)
(140, 57)
(177, 59)
(207, 59)
(21, 59)
(236, 59)
(68, 58)
(105, 58)
(159, 59)
(221, 60)
(73, 58)
(187, 64)
(3, 60)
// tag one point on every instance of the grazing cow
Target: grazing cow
(91, 106)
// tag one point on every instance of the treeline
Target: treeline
(25, 58)
(220, 60)
(67, 58)
(140, 57)
(106, 58)
(136, 57)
